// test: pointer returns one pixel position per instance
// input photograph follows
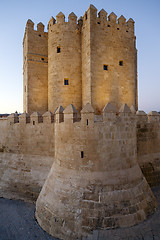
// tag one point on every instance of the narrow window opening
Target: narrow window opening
(108, 26)
(105, 67)
(25, 88)
(39, 35)
(87, 121)
(58, 49)
(66, 82)
(82, 154)
(126, 30)
(86, 15)
(33, 122)
(42, 59)
(117, 28)
(98, 22)
(120, 63)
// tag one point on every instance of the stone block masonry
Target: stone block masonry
(95, 181)
(93, 161)
(91, 61)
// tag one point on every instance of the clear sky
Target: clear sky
(15, 13)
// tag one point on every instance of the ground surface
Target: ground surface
(17, 222)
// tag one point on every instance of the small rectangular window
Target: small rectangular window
(82, 154)
(33, 122)
(105, 67)
(58, 49)
(87, 121)
(120, 63)
(66, 82)
(25, 88)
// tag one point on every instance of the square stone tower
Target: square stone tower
(92, 60)
(35, 69)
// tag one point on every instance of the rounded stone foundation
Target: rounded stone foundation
(95, 181)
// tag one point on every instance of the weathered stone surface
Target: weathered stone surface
(35, 69)
(96, 182)
(25, 227)
(81, 64)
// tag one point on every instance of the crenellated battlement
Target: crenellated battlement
(96, 150)
(30, 26)
(101, 19)
(85, 116)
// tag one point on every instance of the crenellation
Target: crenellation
(132, 108)
(48, 117)
(141, 116)
(153, 116)
(24, 118)
(102, 17)
(60, 18)
(51, 22)
(59, 116)
(122, 20)
(110, 113)
(40, 27)
(125, 109)
(13, 118)
(130, 24)
(112, 18)
(36, 118)
(70, 114)
(30, 25)
(87, 115)
(72, 18)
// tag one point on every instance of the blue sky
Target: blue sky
(13, 18)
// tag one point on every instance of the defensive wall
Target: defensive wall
(148, 145)
(95, 181)
(94, 165)
(26, 154)
(27, 150)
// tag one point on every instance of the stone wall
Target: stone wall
(26, 154)
(148, 145)
(35, 69)
(95, 181)
(64, 62)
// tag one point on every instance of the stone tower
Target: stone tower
(94, 60)
(35, 69)
(64, 62)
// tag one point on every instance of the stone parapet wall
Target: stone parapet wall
(26, 154)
